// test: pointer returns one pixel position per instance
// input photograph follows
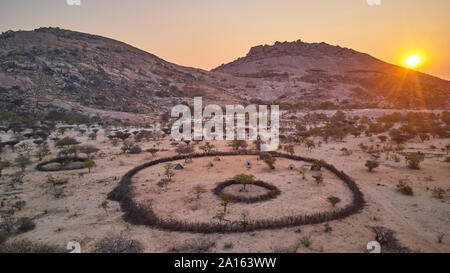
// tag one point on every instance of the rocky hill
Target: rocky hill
(51, 68)
(308, 71)
(58, 68)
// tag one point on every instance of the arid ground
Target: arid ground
(76, 208)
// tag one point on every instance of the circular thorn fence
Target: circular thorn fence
(139, 214)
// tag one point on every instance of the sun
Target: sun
(412, 60)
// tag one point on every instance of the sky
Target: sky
(208, 33)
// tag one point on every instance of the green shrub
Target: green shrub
(168, 171)
(270, 162)
(404, 188)
(414, 160)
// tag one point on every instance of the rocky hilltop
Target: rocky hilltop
(327, 71)
(299, 56)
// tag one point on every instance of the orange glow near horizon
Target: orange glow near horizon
(413, 59)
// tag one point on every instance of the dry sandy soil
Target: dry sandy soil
(77, 215)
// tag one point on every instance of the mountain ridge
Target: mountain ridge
(321, 63)
(298, 47)
(40, 67)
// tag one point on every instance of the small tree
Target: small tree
(424, 136)
(153, 151)
(302, 170)
(62, 130)
(339, 133)
(104, 205)
(238, 144)
(136, 149)
(270, 161)
(115, 141)
(356, 133)
(384, 236)
(122, 135)
(334, 200)
(199, 190)
(244, 218)
(3, 165)
(18, 178)
(371, 164)
(382, 138)
(92, 136)
(50, 179)
(42, 152)
(225, 201)
(398, 137)
(244, 180)
(438, 193)
(309, 143)
(289, 149)
(318, 164)
(22, 161)
(258, 143)
(414, 160)
(207, 148)
(318, 178)
(404, 188)
(24, 147)
(168, 171)
(127, 145)
(89, 164)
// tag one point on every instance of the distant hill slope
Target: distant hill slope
(49, 63)
(51, 68)
(320, 69)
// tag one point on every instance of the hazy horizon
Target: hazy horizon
(206, 34)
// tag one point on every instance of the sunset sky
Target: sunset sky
(207, 33)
